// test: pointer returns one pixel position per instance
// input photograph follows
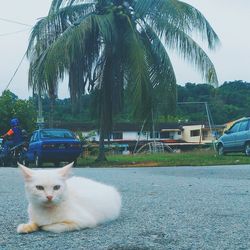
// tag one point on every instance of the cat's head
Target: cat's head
(46, 187)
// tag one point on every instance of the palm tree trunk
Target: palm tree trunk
(51, 112)
(101, 155)
(105, 107)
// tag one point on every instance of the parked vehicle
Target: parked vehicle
(15, 154)
(236, 139)
(52, 145)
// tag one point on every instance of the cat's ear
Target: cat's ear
(65, 171)
(26, 172)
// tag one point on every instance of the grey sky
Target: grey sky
(229, 18)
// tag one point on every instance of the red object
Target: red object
(9, 133)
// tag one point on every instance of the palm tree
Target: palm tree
(111, 45)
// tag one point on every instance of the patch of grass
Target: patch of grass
(192, 158)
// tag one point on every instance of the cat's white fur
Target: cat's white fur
(78, 203)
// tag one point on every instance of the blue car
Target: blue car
(52, 145)
(236, 139)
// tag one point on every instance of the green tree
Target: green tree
(111, 45)
(11, 107)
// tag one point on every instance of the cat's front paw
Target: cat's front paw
(27, 228)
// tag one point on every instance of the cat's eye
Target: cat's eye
(56, 187)
(39, 187)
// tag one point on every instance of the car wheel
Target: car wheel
(38, 162)
(2, 163)
(22, 159)
(75, 163)
(56, 164)
(25, 162)
(221, 150)
(6, 164)
(247, 149)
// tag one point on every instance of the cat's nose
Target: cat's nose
(49, 197)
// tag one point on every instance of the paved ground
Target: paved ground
(163, 208)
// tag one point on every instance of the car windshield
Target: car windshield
(56, 134)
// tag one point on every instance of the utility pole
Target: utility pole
(40, 118)
(209, 122)
(153, 128)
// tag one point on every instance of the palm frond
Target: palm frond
(55, 6)
(48, 29)
(107, 27)
(138, 73)
(179, 14)
(162, 75)
(190, 51)
(60, 55)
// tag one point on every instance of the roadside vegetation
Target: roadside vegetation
(12, 106)
(227, 102)
(192, 158)
(222, 105)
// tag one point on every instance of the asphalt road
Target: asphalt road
(163, 208)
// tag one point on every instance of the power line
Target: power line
(16, 22)
(15, 72)
(14, 32)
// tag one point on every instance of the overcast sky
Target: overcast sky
(229, 18)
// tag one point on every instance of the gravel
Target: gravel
(163, 208)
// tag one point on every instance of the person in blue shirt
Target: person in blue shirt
(13, 136)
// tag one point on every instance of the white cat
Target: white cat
(58, 203)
